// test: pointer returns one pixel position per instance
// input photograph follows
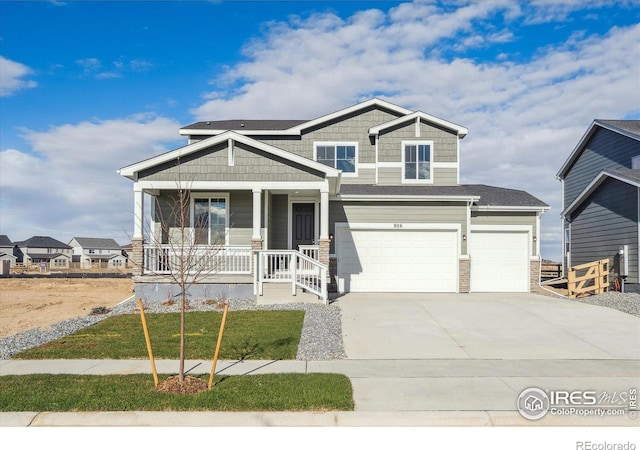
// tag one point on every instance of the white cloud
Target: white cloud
(116, 69)
(69, 186)
(524, 115)
(12, 77)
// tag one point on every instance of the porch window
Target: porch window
(339, 155)
(416, 158)
(210, 218)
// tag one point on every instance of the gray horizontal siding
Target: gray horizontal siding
(365, 176)
(445, 177)
(401, 212)
(390, 176)
(604, 222)
(605, 150)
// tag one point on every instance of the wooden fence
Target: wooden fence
(550, 271)
(589, 278)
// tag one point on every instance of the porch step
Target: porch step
(280, 293)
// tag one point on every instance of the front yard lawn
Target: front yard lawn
(271, 392)
(247, 335)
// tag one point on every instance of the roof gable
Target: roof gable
(629, 176)
(628, 128)
(132, 170)
(296, 128)
(5, 241)
(419, 115)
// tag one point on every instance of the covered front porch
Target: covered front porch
(239, 236)
(230, 206)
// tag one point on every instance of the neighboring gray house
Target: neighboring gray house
(369, 194)
(600, 184)
(43, 249)
(103, 251)
(6, 250)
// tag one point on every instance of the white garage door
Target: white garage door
(499, 261)
(397, 260)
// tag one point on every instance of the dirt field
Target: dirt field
(27, 303)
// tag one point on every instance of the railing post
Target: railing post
(293, 264)
(323, 285)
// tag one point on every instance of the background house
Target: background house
(600, 186)
(43, 249)
(6, 250)
(104, 252)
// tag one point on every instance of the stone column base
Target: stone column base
(464, 275)
(256, 245)
(136, 257)
(534, 274)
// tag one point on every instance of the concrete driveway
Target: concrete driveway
(478, 352)
(484, 326)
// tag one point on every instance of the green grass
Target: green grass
(272, 392)
(247, 335)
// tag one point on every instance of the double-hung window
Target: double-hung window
(210, 219)
(417, 161)
(339, 155)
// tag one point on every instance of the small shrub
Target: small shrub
(99, 310)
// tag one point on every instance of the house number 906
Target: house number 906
(397, 225)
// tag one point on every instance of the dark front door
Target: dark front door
(302, 227)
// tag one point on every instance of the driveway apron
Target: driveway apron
(478, 352)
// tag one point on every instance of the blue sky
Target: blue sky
(89, 87)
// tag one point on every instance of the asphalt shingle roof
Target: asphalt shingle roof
(5, 241)
(42, 242)
(629, 174)
(489, 195)
(103, 243)
(240, 124)
(630, 126)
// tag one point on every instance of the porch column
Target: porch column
(256, 237)
(324, 214)
(257, 214)
(324, 242)
(136, 258)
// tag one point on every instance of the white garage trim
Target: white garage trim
(500, 269)
(360, 270)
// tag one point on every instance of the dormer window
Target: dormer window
(339, 155)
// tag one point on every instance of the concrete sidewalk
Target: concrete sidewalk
(386, 392)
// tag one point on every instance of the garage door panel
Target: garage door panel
(398, 260)
(499, 261)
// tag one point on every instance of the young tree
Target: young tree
(187, 249)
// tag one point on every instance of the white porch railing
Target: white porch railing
(311, 251)
(290, 266)
(162, 260)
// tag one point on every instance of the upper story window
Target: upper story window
(339, 155)
(211, 219)
(91, 251)
(417, 159)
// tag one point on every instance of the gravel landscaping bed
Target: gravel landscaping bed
(628, 303)
(321, 337)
